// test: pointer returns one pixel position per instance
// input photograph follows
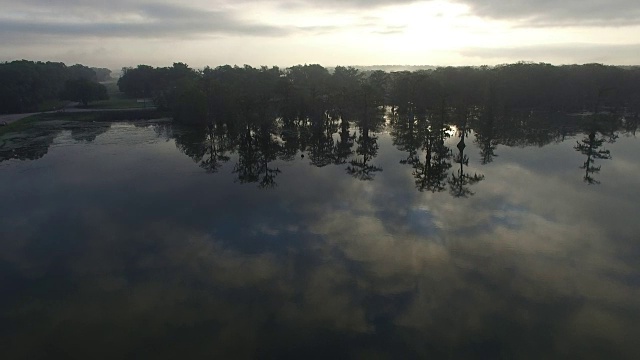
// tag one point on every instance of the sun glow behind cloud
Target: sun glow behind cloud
(287, 32)
(416, 33)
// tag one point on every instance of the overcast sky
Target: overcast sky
(120, 33)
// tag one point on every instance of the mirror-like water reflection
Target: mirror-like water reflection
(397, 235)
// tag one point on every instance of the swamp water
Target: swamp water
(321, 240)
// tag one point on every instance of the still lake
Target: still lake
(154, 240)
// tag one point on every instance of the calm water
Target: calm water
(148, 240)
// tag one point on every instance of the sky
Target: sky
(120, 33)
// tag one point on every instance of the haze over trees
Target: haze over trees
(102, 74)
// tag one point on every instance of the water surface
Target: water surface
(331, 240)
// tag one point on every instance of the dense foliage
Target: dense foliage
(268, 113)
(26, 84)
(231, 93)
(83, 91)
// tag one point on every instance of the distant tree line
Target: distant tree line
(229, 93)
(26, 84)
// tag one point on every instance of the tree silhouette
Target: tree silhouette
(367, 148)
(460, 182)
(485, 131)
(431, 174)
(631, 124)
(343, 147)
(590, 146)
(83, 91)
(217, 144)
(322, 145)
(256, 150)
(423, 137)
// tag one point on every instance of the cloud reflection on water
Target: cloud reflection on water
(531, 266)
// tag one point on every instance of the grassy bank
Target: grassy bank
(106, 116)
(88, 116)
(50, 105)
(19, 125)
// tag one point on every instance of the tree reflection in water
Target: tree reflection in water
(460, 182)
(602, 129)
(423, 134)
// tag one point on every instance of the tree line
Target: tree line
(267, 114)
(233, 92)
(435, 146)
(230, 93)
(24, 85)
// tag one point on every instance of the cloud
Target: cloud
(529, 12)
(159, 19)
(559, 53)
(391, 30)
(148, 20)
(341, 4)
(559, 13)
